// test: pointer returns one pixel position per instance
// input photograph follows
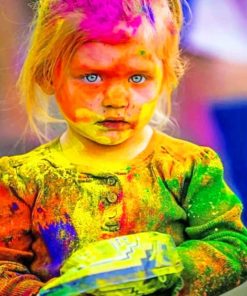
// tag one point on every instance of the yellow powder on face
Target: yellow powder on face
(85, 115)
(146, 113)
(148, 108)
(96, 132)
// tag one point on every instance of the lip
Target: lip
(115, 124)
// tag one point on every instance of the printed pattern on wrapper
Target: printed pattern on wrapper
(137, 264)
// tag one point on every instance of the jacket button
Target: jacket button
(111, 197)
(111, 226)
(111, 181)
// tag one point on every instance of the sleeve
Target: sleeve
(15, 233)
(215, 252)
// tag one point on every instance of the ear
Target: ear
(47, 80)
(44, 80)
(46, 86)
(45, 76)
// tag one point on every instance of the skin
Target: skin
(108, 95)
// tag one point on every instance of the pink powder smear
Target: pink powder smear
(110, 21)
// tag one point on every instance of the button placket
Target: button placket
(109, 197)
(111, 222)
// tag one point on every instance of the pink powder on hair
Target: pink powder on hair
(110, 21)
(171, 28)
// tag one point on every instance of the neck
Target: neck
(81, 150)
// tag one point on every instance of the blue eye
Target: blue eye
(137, 78)
(92, 78)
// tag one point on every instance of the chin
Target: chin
(111, 141)
(110, 138)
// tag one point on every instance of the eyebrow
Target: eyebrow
(134, 64)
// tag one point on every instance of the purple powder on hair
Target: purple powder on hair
(148, 11)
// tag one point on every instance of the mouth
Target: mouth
(115, 124)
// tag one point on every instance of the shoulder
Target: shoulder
(31, 159)
(23, 174)
(181, 160)
(184, 151)
(188, 168)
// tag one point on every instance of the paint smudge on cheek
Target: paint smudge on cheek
(146, 113)
(66, 105)
(86, 116)
(142, 52)
(83, 119)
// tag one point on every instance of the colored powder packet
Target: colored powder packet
(136, 264)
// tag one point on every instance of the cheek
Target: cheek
(146, 93)
(66, 103)
(146, 112)
(76, 104)
(85, 115)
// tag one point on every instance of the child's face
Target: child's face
(109, 92)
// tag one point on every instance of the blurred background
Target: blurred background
(210, 105)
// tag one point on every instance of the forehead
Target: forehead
(103, 55)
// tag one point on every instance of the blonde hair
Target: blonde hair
(55, 37)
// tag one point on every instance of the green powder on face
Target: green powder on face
(142, 52)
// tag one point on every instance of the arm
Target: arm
(215, 254)
(15, 234)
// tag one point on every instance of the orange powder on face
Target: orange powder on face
(84, 119)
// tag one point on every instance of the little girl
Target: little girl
(111, 178)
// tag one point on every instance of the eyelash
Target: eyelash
(136, 75)
(85, 78)
(98, 78)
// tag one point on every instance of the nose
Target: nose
(116, 96)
